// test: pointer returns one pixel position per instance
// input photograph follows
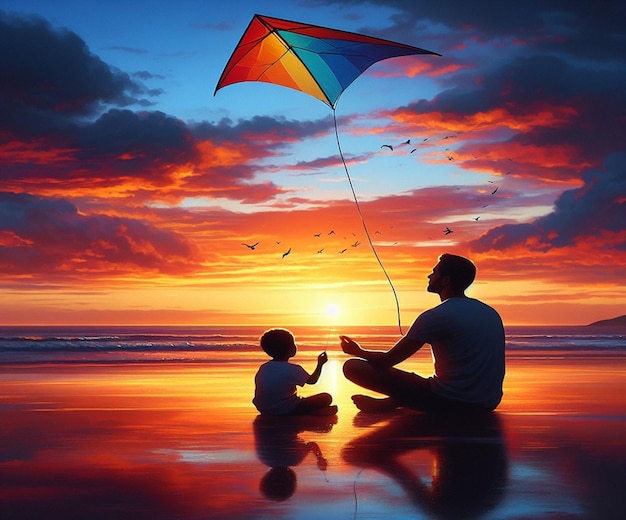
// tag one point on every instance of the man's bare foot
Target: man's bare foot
(327, 410)
(365, 403)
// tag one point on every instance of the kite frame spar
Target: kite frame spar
(318, 61)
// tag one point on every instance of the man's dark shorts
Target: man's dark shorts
(415, 392)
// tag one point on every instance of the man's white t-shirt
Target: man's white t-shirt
(275, 391)
(468, 343)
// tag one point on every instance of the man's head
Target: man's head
(279, 344)
(452, 273)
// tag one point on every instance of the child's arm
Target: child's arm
(321, 360)
(322, 463)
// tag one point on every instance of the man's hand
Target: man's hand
(349, 346)
(322, 359)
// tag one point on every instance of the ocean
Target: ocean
(219, 344)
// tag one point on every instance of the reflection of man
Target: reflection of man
(467, 474)
(467, 340)
(279, 447)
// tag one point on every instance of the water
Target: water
(153, 344)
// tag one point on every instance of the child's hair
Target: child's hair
(277, 343)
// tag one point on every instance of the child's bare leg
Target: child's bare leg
(318, 404)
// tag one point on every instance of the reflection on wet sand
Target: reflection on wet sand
(469, 462)
(169, 441)
(279, 446)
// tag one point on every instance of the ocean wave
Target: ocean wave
(109, 344)
(103, 346)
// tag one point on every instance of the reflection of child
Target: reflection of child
(279, 446)
(276, 380)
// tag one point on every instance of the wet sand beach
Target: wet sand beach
(182, 440)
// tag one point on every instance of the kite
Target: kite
(315, 60)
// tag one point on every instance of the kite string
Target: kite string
(367, 233)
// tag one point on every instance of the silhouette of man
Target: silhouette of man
(468, 454)
(467, 340)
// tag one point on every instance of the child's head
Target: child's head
(279, 344)
(279, 483)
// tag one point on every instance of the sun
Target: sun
(332, 310)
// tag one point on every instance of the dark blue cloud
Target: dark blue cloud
(585, 213)
(278, 130)
(50, 76)
(589, 30)
(45, 235)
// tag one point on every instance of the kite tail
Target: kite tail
(367, 233)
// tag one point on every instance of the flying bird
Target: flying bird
(476, 218)
(494, 191)
(317, 235)
(413, 150)
(408, 141)
(356, 244)
(387, 146)
(331, 233)
(253, 246)
(320, 251)
(447, 231)
(342, 251)
(285, 254)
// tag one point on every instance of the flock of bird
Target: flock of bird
(392, 148)
(356, 243)
(406, 143)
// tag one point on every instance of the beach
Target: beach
(181, 439)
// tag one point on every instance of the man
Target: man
(467, 340)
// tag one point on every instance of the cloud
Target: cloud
(549, 25)
(51, 237)
(135, 141)
(263, 130)
(49, 76)
(67, 130)
(593, 213)
(553, 117)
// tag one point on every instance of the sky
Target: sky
(130, 188)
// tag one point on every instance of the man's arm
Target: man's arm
(404, 348)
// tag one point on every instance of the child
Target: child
(276, 380)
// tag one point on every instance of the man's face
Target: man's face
(434, 280)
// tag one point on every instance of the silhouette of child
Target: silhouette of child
(276, 380)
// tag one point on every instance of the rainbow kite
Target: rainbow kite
(315, 60)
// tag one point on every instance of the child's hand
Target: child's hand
(322, 359)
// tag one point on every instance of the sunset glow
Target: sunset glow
(131, 195)
(332, 310)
